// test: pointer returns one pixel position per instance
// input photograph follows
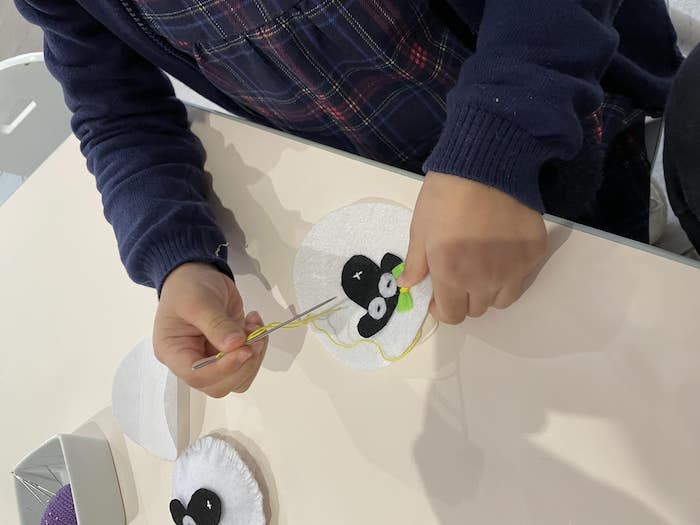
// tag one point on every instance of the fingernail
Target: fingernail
(255, 318)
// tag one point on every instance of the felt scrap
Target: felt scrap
(145, 402)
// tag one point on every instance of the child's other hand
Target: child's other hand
(478, 243)
(201, 313)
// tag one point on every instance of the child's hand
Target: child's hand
(201, 313)
(478, 243)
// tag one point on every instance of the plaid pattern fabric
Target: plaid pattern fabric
(366, 76)
(371, 77)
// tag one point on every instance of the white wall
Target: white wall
(17, 36)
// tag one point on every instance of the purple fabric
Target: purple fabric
(61, 510)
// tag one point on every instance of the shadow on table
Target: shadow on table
(480, 454)
(120, 455)
(262, 288)
(252, 456)
(500, 475)
(514, 398)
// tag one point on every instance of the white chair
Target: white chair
(665, 230)
(34, 119)
(686, 18)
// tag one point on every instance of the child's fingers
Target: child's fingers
(223, 330)
(416, 263)
(451, 302)
(507, 295)
(253, 322)
(181, 359)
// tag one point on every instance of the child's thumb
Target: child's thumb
(416, 265)
(224, 332)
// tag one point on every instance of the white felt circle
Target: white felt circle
(145, 402)
(215, 465)
(372, 230)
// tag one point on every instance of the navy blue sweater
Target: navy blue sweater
(538, 69)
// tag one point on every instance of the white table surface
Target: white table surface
(576, 406)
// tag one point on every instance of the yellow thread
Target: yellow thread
(403, 289)
(256, 333)
(370, 341)
(296, 324)
(311, 320)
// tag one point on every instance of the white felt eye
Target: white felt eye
(387, 285)
(377, 308)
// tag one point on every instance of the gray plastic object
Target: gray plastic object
(81, 460)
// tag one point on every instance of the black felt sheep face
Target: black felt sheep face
(204, 508)
(374, 288)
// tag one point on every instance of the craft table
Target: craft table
(578, 405)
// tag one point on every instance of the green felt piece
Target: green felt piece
(398, 270)
(405, 301)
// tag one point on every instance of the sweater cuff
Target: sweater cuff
(184, 247)
(487, 148)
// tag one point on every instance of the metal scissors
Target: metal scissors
(257, 336)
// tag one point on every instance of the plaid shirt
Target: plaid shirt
(369, 77)
(372, 78)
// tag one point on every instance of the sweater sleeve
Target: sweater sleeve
(521, 98)
(135, 137)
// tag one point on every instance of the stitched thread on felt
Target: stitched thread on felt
(374, 343)
(311, 320)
